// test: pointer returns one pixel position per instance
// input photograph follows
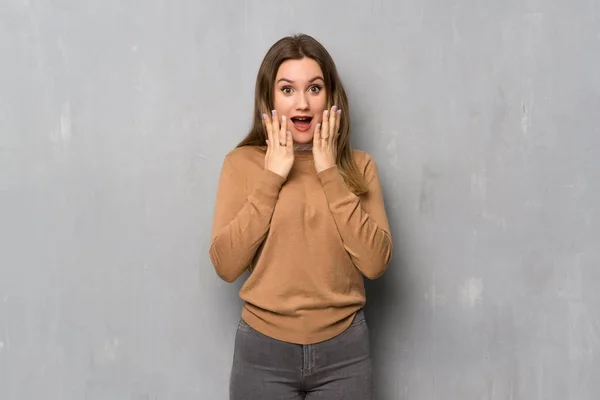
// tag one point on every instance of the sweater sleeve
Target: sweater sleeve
(241, 221)
(361, 221)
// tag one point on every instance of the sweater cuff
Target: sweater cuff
(333, 184)
(267, 188)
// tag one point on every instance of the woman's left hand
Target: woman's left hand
(325, 140)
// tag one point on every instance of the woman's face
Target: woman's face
(300, 96)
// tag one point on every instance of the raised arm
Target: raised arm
(241, 219)
(361, 221)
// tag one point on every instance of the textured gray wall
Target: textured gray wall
(482, 115)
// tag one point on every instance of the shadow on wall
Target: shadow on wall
(387, 312)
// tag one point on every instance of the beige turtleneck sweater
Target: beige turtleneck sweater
(308, 241)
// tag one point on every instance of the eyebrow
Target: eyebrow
(316, 78)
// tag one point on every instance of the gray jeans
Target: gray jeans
(268, 369)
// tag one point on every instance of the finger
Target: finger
(338, 121)
(332, 120)
(325, 126)
(290, 141)
(335, 130)
(283, 130)
(275, 124)
(317, 136)
(267, 124)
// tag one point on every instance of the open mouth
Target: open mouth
(301, 123)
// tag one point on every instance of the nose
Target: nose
(301, 101)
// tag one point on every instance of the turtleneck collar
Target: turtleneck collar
(302, 146)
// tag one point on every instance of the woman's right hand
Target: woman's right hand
(280, 147)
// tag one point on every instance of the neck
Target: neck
(302, 146)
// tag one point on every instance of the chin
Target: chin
(302, 137)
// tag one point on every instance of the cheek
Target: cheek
(319, 105)
(276, 101)
(281, 103)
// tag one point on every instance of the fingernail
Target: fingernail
(340, 111)
(334, 108)
(319, 125)
(273, 112)
(283, 117)
(326, 112)
(264, 116)
(267, 141)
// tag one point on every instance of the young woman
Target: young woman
(304, 213)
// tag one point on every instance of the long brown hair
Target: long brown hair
(297, 47)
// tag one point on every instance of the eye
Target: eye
(286, 90)
(315, 88)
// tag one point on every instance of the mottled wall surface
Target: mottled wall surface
(483, 117)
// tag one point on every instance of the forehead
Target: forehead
(299, 70)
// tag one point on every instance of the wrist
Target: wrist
(277, 172)
(325, 168)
